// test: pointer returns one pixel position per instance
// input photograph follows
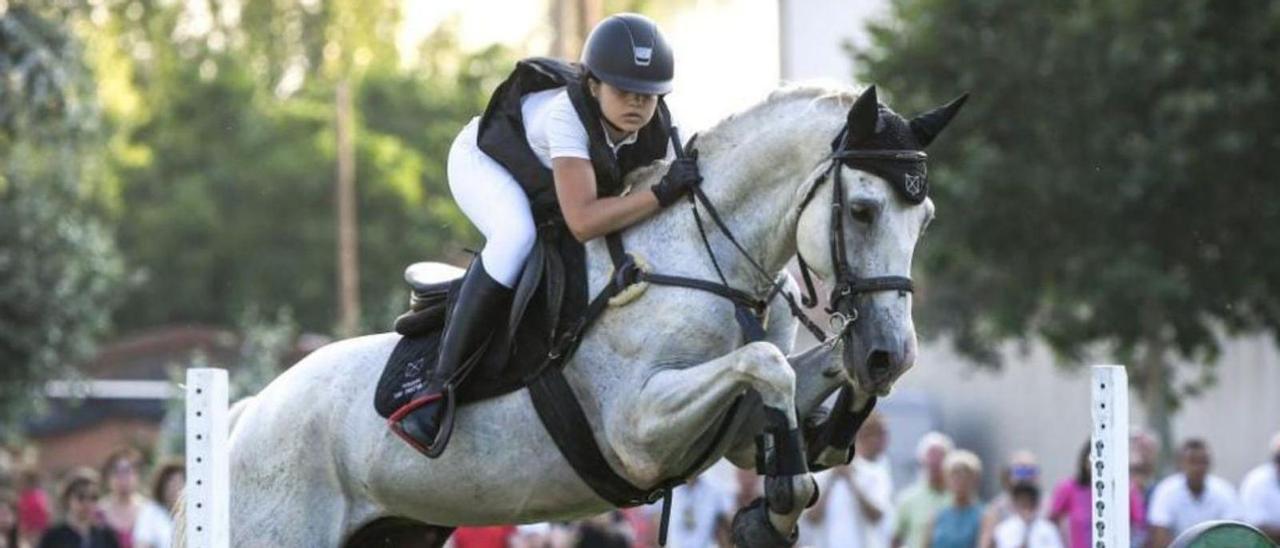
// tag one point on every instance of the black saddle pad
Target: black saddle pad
(551, 295)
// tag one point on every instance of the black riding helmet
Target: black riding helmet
(629, 52)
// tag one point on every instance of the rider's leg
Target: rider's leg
(496, 204)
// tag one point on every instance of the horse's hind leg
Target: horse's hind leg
(675, 405)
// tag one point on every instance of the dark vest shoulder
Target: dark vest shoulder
(502, 133)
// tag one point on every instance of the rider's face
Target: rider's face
(625, 110)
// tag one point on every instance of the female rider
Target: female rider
(589, 125)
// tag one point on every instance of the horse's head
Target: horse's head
(859, 227)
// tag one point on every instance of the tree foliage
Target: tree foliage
(1110, 184)
(224, 150)
(59, 268)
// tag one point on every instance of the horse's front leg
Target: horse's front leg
(678, 405)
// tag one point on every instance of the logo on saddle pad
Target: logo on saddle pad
(414, 368)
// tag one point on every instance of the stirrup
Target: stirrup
(435, 447)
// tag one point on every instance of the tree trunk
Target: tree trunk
(1154, 393)
(348, 244)
(558, 14)
(589, 13)
(571, 22)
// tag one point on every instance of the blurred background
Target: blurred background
(234, 183)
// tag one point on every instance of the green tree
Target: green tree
(1110, 185)
(59, 268)
(222, 154)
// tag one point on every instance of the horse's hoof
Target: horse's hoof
(752, 529)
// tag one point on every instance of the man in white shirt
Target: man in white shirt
(1023, 527)
(1260, 494)
(854, 510)
(1189, 497)
(696, 507)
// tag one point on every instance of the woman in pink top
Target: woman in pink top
(1072, 502)
(33, 506)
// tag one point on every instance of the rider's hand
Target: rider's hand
(681, 176)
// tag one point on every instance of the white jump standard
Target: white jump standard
(208, 490)
(1109, 456)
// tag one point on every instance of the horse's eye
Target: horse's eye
(862, 213)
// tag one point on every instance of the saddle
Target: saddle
(550, 296)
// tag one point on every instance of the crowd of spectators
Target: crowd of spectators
(860, 506)
(87, 508)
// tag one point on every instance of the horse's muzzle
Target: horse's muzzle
(878, 351)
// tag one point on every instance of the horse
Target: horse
(312, 464)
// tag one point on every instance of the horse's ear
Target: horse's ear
(864, 115)
(927, 126)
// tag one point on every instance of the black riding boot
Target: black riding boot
(427, 420)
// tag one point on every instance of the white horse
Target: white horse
(312, 463)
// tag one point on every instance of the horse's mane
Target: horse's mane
(722, 134)
(812, 95)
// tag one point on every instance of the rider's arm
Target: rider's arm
(587, 215)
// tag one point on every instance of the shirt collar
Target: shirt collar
(615, 146)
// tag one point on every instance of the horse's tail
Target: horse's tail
(180, 522)
(180, 510)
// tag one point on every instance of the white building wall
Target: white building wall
(813, 34)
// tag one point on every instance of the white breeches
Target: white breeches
(495, 203)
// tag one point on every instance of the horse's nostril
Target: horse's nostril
(879, 365)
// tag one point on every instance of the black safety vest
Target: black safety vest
(502, 134)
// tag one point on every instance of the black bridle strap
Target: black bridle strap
(846, 283)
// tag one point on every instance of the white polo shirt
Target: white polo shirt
(1260, 496)
(843, 525)
(695, 508)
(1013, 532)
(553, 129)
(1176, 509)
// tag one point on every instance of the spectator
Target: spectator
(1021, 470)
(33, 505)
(137, 521)
(696, 507)
(608, 530)
(855, 505)
(1024, 528)
(166, 487)
(1144, 458)
(641, 526)
(1190, 496)
(537, 535)
(1260, 494)
(958, 523)
(1072, 506)
(919, 502)
(79, 528)
(9, 537)
(496, 536)
(749, 487)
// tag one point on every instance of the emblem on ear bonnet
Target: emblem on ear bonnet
(880, 141)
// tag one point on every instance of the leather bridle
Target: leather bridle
(848, 285)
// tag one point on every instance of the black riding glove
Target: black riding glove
(681, 176)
